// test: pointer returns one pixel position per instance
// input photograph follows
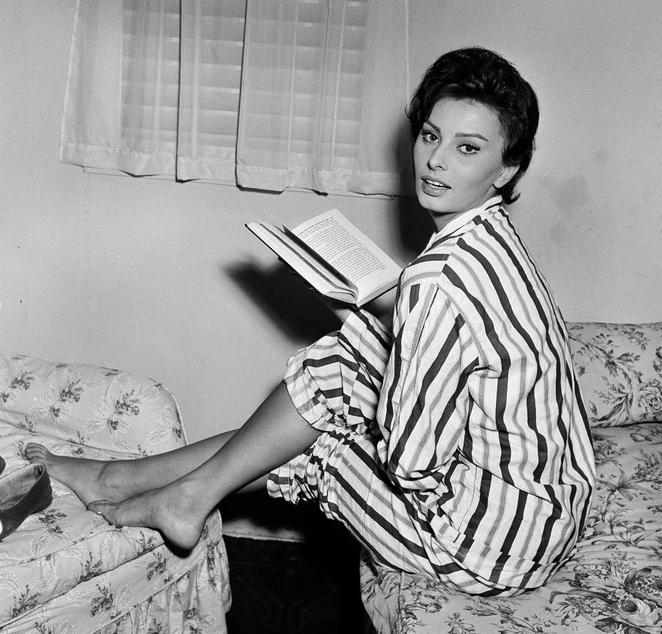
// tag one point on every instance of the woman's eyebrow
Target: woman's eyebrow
(462, 135)
(472, 135)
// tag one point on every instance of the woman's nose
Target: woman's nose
(437, 158)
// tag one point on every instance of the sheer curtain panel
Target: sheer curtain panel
(261, 94)
(153, 87)
(212, 42)
(323, 92)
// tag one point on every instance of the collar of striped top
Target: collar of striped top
(465, 218)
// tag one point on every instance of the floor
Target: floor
(303, 581)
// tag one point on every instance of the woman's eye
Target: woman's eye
(428, 136)
(469, 148)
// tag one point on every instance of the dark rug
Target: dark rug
(300, 587)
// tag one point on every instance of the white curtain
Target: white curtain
(261, 94)
(212, 41)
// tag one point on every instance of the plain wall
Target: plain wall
(164, 279)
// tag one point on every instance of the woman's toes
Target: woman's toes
(97, 506)
(34, 452)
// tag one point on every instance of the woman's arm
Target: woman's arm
(424, 402)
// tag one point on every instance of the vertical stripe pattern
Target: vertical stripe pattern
(458, 445)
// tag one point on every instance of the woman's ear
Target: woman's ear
(505, 175)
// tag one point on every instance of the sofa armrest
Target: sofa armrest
(89, 405)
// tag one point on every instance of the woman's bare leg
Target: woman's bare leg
(117, 480)
(273, 434)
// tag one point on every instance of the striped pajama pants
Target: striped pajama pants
(336, 388)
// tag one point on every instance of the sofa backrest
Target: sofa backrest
(619, 368)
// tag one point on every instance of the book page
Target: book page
(350, 252)
(297, 255)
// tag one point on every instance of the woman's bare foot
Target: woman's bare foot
(174, 510)
(89, 479)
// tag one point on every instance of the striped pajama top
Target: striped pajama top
(481, 419)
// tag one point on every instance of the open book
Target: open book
(333, 256)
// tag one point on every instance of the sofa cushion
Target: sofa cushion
(619, 367)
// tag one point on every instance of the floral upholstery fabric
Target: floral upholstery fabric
(620, 371)
(66, 569)
(613, 583)
(89, 405)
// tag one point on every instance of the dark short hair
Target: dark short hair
(485, 77)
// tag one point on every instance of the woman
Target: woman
(457, 445)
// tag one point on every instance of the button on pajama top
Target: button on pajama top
(457, 445)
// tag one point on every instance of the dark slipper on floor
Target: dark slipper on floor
(23, 492)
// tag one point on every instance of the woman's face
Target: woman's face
(458, 158)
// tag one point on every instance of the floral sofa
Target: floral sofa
(65, 569)
(613, 583)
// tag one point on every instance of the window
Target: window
(256, 93)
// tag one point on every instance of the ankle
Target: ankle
(112, 474)
(202, 497)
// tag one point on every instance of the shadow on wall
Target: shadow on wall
(413, 224)
(297, 310)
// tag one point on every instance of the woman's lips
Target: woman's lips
(433, 187)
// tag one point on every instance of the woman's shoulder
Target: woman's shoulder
(440, 257)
